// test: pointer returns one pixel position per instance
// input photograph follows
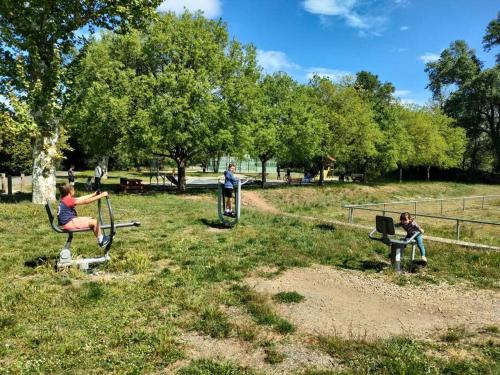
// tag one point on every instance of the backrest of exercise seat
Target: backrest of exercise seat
(50, 214)
(385, 225)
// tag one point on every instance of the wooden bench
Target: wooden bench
(131, 185)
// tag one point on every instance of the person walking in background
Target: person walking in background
(98, 173)
(278, 171)
(71, 175)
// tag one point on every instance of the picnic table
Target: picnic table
(131, 185)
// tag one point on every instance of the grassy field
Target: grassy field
(327, 203)
(178, 275)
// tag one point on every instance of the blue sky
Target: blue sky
(391, 38)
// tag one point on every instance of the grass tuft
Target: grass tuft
(288, 297)
(214, 323)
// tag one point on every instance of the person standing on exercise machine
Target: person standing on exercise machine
(229, 182)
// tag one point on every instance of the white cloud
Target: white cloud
(210, 8)
(274, 61)
(429, 57)
(404, 28)
(359, 14)
(341, 8)
(332, 74)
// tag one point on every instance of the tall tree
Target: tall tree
(436, 142)
(351, 134)
(196, 75)
(36, 41)
(469, 94)
(492, 37)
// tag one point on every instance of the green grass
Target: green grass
(288, 297)
(175, 275)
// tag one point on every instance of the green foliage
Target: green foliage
(288, 297)
(492, 37)
(16, 132)
(470, 94)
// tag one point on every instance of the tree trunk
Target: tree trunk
(321, 177)
(400, 172)
(181, 176)
(428, 173)
(44, 168)
(263, 161)
(496, 145)
(104, 165)
(216, 163)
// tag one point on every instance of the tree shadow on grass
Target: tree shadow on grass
(365, 265)
(15, 198)
(40, 261)
(326, 227)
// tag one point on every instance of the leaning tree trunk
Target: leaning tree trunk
(428, 178)
(181, 176)
(44, 168)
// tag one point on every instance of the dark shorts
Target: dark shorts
(228, 193)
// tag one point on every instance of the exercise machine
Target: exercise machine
(229, 221)
(84, 264)
(385, 226)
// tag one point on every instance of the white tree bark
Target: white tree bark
(44, 168)
(104, 165)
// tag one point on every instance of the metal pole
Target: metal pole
(458, 230)
(415, 209)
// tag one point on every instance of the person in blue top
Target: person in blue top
(229, 182)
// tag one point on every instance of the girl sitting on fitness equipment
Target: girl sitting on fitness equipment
(410, 225)
(68, 217)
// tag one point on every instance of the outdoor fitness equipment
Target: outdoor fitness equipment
(385, 226)
(229, 221)
(85, 263)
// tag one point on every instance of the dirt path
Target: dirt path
(356, 305)
(252, 199)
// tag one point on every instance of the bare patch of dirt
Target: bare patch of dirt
(252, 199)
(296, 356)
(355, 305)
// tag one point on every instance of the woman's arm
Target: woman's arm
(86, 199)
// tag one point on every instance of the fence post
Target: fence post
(350, 215)
(458, 230)
(9, 185)
(441, 207)
(415, 209)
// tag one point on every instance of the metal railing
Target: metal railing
(458, 220)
